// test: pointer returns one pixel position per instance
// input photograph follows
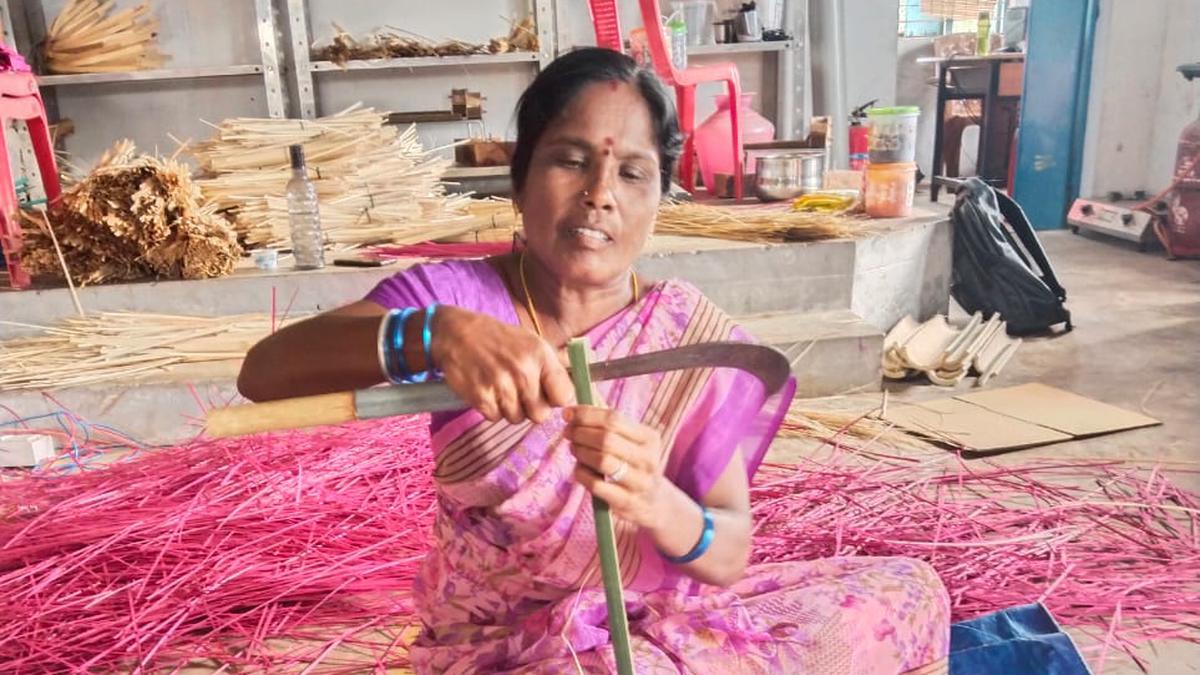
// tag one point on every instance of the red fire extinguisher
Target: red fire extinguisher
(860, 139)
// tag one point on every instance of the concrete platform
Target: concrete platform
(827, 304)
(832, 353)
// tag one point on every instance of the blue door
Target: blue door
(1054, 105)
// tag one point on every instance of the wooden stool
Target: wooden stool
(20, 100)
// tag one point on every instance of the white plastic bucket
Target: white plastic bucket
(893, 134)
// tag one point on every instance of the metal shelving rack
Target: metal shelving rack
(268, 68)
(303, 67)
(793, 83)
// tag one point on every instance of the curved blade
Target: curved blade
(767, 364)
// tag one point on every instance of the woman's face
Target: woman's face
(593, 188)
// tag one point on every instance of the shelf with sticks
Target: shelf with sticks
(144, 62)
(425, 62)
(311, 68)
(158, 75)
(741, 47)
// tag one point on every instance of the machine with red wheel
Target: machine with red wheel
(1172, 216)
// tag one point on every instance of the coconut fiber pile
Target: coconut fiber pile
(133, 217)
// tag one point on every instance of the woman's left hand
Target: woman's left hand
(617, 460)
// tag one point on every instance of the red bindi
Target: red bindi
(608, 140)
(613, 85)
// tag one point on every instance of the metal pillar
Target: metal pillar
(301, 37)
(544, 16)
(264, 14)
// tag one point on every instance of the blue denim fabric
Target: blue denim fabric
(1025, 640)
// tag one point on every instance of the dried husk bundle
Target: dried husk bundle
(391, 44)
(133, 217)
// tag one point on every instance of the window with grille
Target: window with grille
(930, 18)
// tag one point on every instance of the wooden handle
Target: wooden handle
(291, 413)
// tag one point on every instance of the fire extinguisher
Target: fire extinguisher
(860, 141)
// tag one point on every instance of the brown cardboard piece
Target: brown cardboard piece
(1057, 409)
(1012, 418)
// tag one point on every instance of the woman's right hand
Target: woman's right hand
(500, 370)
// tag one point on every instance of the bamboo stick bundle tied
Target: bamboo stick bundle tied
(86, 37)
(377, 184)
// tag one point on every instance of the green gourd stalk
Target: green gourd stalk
(606, 540)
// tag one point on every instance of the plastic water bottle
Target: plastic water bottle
(677, 31)
(983, 34)
(304, 215)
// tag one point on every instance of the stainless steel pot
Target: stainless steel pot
(787, 175)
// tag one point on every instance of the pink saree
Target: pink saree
(512, 583)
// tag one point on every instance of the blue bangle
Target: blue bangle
(701, 547)
(427, 339)
(397, 368)
(385, 345)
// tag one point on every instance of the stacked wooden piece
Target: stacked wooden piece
(376, 184)
(946, 354)
(133, 217)
(86, 37)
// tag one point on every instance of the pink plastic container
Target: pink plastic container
(714, 137)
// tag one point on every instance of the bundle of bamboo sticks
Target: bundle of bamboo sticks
(758, 224)
(522, 37)
(117, 346)
(132, 217)
(376, 184)
(87, 38)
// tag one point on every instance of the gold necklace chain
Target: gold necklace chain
(537, 325)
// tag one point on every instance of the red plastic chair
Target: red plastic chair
(20, 100)
(606, 21)
(608, 34)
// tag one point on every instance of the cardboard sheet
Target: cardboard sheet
(1057, 409)
(1012, 418)
(961, 424)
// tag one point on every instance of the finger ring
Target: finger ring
(618, 474)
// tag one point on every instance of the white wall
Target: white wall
(1139, 102)
(913, 88)
(868, 46)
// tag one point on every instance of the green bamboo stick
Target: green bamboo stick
(610, 569)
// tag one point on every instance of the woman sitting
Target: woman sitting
(511, 583)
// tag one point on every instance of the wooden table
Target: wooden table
(1004, 73)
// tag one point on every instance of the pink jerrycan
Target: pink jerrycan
(712, 137)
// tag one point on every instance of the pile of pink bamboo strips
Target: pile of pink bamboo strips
(278, 551)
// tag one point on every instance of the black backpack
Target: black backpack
(992, 272)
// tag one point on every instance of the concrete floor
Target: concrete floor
(1136, 344)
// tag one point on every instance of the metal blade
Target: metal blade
(768, 364)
